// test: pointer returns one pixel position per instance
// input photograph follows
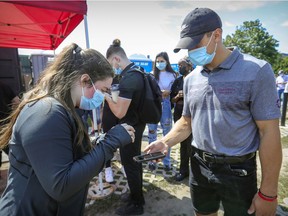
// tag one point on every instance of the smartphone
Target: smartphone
(148, 157)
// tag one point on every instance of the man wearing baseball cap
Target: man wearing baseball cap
(232, 109)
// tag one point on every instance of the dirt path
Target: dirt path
(163, 196)
(166, 197)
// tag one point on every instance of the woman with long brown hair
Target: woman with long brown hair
(165, 76)
(51, 157)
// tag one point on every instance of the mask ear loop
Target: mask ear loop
(96, 90)
(209, 43)
(95, 125)
(210, 39)
(83, 91)
(215, 47)
(94, 114)
(93, 84)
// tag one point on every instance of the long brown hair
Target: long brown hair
(56, 81)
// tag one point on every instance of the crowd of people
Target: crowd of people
(223, 104)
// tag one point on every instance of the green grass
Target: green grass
(283, 184)
(284, 141)
(101, 205)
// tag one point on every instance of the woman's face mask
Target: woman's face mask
(91, 103)
(161, 65)
(200, 56)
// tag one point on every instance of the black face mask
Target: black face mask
(183, 71)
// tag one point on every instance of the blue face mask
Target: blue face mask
(161, 65)
(91, 103)
(200, 56)
(117, 71)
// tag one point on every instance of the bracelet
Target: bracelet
(265, 197)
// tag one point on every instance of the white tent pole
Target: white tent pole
(100, 178)
(94, 110)
(86, 32)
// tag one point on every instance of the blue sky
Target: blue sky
(150, 27)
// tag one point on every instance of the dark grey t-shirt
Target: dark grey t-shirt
(49, 174)
(225, 103)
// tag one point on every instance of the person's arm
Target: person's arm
(128, 86)
(173, 92)
(48, 145)
(120, 108)
(179, 132)
(270, 154)
(177, 97)
(165, 93)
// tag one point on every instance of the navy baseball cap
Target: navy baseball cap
(198, 22)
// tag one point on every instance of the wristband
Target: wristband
(265, 197)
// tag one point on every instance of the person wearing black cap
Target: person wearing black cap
(231, 107)
(185, 67)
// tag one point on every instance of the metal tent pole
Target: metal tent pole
(103, 189)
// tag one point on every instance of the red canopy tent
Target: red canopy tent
(39, 24)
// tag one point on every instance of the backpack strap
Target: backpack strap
(135, 68)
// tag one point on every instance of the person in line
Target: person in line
(51, 157)
(126, 108)
(185, 67)
(109, 120)
(8, 102)
(281, 81)
(165, 76)
(231, 107)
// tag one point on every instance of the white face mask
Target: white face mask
(200, 56)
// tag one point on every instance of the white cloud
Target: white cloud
(149, 27)
(238, 6)
(215, 5)
(229, 24)
(285, 24)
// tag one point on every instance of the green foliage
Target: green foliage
(253, 39)
(284, 142)
(281, 64)
(283, 184)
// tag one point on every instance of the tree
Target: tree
(253, 39)
(281, 64)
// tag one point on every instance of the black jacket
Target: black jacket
(48, 174)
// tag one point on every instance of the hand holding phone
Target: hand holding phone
(149, 157)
